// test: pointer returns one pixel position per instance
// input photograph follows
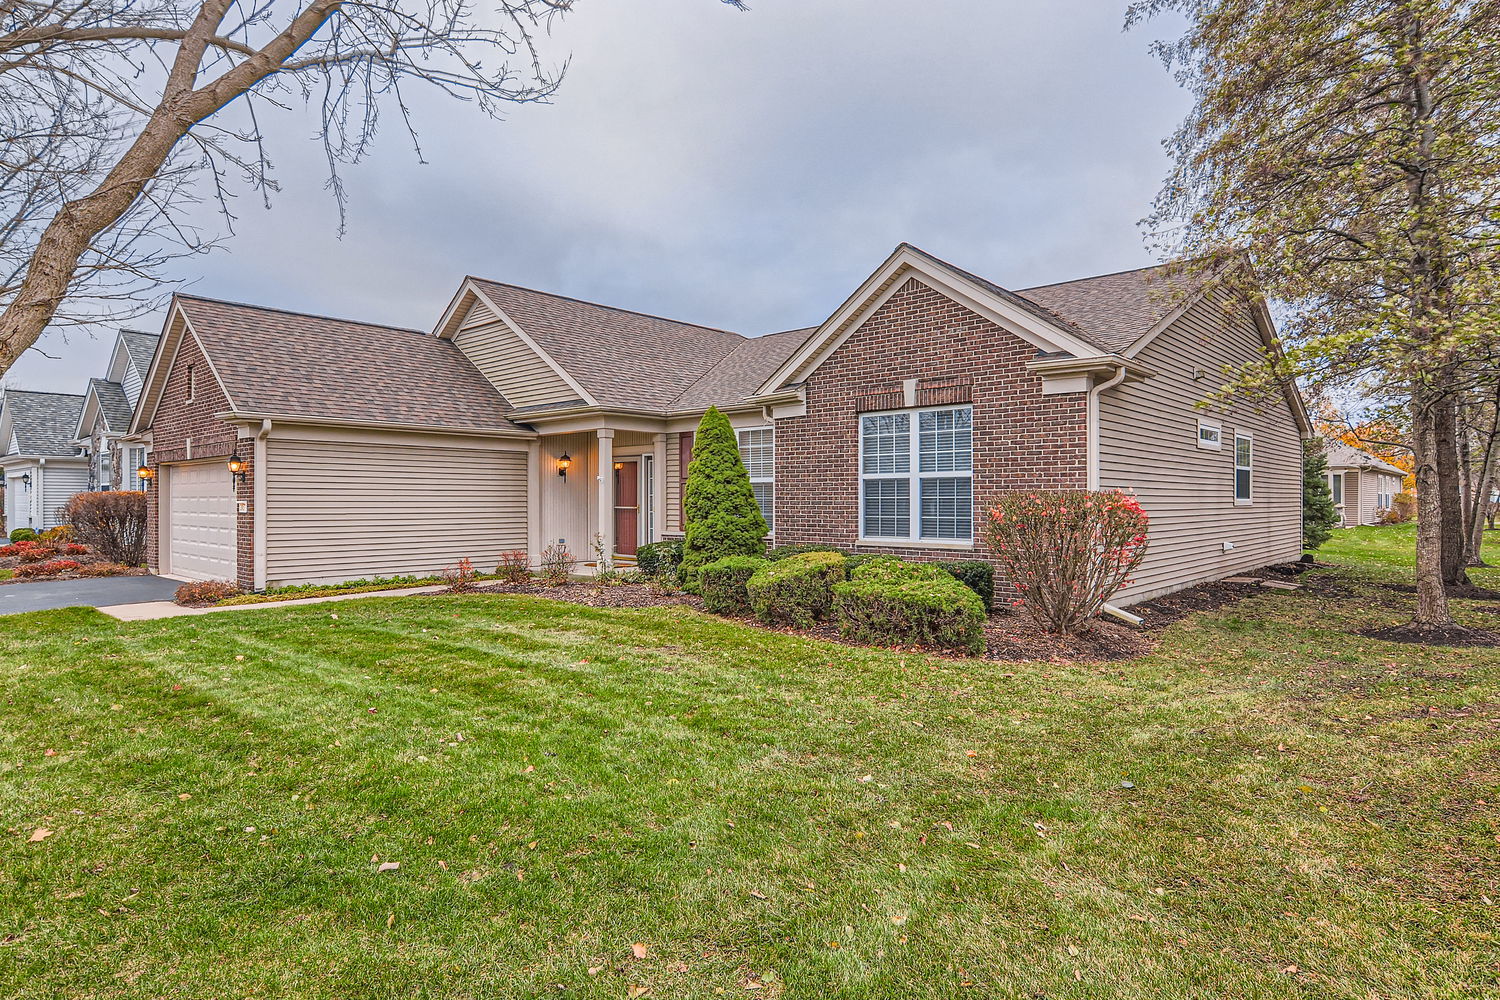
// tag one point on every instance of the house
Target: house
(1364, 487)
(524, 420)
(43, 465)
(108, 404)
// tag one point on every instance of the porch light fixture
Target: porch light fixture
(619, 466)
(145, 474)
(563, 465)
(25, 479)
(237, 467)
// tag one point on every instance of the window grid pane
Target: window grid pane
(886, 444)
(887, 508)
(758, 451)
(765, 498)
(945, 440)
(947, 508)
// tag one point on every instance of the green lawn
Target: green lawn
(1268, 807)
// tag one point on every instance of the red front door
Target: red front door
(627, 507)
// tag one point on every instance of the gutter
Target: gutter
(1093, 429)
(234, 416)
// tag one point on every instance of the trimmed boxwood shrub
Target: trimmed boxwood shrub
(722, 584)
(23, 535)
(659, 558)
(797, 590)
(718, 505)
(977, 576)
(892, 603)
(797, 548)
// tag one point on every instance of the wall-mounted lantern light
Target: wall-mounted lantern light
(563, 465)
(619, 466)
(237, 467)
(25, 478)
(145, 474)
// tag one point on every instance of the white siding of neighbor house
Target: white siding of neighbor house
(59, 483)
(1148, 446)
(521, 375)
(130, 381)
(1362, 489)
(341, 509)
(1349, 509)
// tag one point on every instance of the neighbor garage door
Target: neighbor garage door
(200, 521)
(348, 510)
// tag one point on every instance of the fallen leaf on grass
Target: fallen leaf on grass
(756, 894)
(390, 921)
(637, 991)
(38, 835)
(50, 753)
(638, 950)
(389, 866)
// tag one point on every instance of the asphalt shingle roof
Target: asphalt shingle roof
(114, 406)
(141, 347)
(1113, 311)
(622, 358)
(44, 422)
(1343, 456)
(278, 362)
(741, 372)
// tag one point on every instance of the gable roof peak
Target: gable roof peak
(598, 305)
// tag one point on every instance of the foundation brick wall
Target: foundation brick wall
(1022, 439)
(178, 421)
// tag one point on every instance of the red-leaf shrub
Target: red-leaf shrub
(103, 569)
(16, 548)
(515, 566)
(1066, 552)
(201, 592)
(36, 553)
(55, 567)
(74, 549)
(112, 523)
(459, 578)
(557, 565)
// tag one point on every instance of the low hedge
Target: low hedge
(977, 576)
(721, 584)
(659, 558)
(23, 535)
(797, 590)
(892, 603)
(781, 552)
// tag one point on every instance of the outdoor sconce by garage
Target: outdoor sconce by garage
(563, 465)
(145, 474)
(237, 468)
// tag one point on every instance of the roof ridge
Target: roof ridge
(304, 315)
(601, 305)
(39, 392)
(1095, 277)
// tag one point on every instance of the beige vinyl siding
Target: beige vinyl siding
(344, 510)
(1354, 493)
(570, 506)
(673, 519)
(59, 483)
(521, 375)
(1148, 446)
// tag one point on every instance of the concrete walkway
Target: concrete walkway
(152, 610)
(49, 595)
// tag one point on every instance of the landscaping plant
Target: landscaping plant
(54, 567)
(797, 548)
(797, 590)
(888, 602)
(199, 593)
(515, 566)
(460, 578)
(722, 516)
(111, 522)
(978, 576)
(1066, 552)
(722, 584)
(556, 565)
(660, 560)
(1319, 515)
(23, 535)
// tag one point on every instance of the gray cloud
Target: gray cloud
(740, 170)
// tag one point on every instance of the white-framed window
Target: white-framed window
(106, 477)
(1244, 462)
(916, 470)
(1336, 485)
(758, 452)
(134, 459)
(1210, 435)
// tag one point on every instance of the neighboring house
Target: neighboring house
(1364, 487)
(42, 463)
(526, 420)
(108, 405)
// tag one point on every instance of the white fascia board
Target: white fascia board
(145, 409)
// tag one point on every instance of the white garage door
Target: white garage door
(200, 522)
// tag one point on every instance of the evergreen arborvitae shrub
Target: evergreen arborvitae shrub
(722, 584)
(659, 558)
(719, 506)
(797, 590)
(1319, 515)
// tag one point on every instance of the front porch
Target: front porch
(607, 491)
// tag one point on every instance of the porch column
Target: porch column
(606, 491)
(658, 486)
(534, 500)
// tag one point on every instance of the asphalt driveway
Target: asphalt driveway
(16, 598)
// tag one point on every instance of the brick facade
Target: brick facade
(186, 430)
(1022, 439)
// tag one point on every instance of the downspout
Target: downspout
(1093, 468)
(258, 497)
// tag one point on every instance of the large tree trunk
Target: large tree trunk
(1450, 493)
(1432, 596)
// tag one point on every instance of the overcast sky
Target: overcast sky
(741, 170)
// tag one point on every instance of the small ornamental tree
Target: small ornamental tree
(111, 522)
(719, 506)
(1319, 515)
(1066, 552)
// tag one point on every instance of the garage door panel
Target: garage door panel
(341, 511)
(200, 522)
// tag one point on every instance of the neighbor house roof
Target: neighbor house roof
(1343, 456)
(114, 406)
(1113, 311)
(44, 423)
(141, 347)
(620, 357)
(293, 365)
